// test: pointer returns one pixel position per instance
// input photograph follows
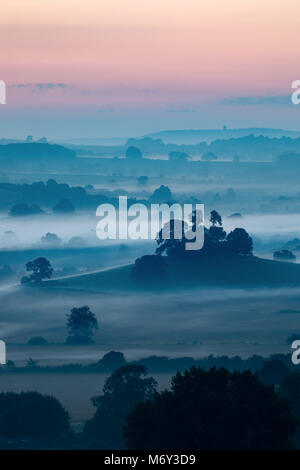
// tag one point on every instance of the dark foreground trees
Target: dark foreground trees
(126, 387)
(290, 388)
(30, 414)
(212, 409)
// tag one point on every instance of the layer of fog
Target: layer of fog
(217, 321)
(26, 232)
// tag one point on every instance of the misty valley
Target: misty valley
(78, 313)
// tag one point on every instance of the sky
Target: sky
(109, 68)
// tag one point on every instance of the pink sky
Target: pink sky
(136, 55)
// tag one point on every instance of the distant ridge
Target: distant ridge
(192, 136)
(35, 150)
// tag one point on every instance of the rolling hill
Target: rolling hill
(240, 272)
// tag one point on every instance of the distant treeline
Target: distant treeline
(154, 364)
(251, 147)
(193, 136)
(52, 192)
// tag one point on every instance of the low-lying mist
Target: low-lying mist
(196, 323)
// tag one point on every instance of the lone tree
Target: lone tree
(126, 387)
(112, 360)
(143, 180)
(216, 233)
(215, 218)
(81, 323)
(212, 409)
(40, 269)
(161, 195)
(133, 152)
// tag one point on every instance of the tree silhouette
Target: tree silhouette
(143, 180)
(133, 152)
(215, 218)
(212, 409)
(162, 194)
(30, 414)
(81, 323)
(239, 242)
(216, 234)
(40, 269)
(112, 360)
(121, 392)
(285, 255)
(22, 209)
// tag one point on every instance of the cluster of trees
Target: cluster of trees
(284, 255)
(60, 196)
(126, 387)
(216, 242)
(204, 409)
(46, 192)
(212, 409)
(22, 209)
(207, 407)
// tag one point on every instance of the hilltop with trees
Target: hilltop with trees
(226, 259)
